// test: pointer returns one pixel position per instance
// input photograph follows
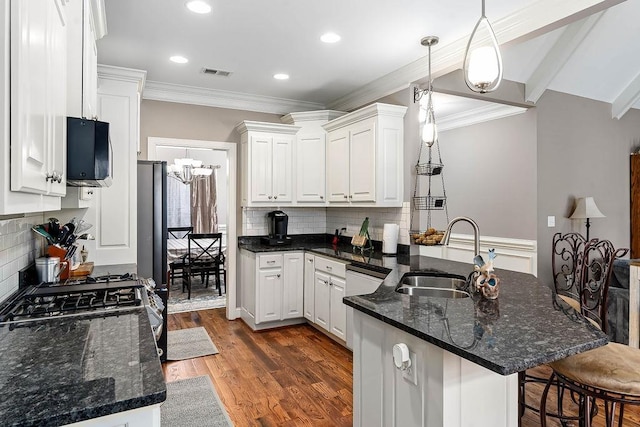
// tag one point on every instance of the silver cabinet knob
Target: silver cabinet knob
(275, 197)
(269, 197)
(278, 275)
(321, 197)
(54, 177)
(351, 196)
(345, 196)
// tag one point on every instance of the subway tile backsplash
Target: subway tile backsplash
(19, 247)
(327, 220)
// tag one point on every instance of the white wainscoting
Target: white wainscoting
(512, 254)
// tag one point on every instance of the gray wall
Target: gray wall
(582, 151)
(174, 120)
(490, 176)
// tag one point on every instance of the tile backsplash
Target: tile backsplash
(327, 220)
(19, 246)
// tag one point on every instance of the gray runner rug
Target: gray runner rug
(189, 343)
(193, 402)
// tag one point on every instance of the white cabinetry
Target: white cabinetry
(38, 96)
(310, 154)
(365, 157)
(329, 310)
(114, 212)
(32, 116)
(271, 288)
(309, 286)
(267, 163)
(82, 61)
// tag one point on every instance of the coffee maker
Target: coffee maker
(278, 222)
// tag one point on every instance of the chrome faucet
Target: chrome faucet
(476, 232)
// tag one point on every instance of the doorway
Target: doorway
(217, 153)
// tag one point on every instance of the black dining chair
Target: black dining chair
(176, 268)
(204, 257)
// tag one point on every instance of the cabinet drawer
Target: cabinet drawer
(270, 261)
(335, 268)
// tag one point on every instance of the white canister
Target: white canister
(48, 269)
(390, 238)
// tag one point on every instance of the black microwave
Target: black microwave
(88, 153)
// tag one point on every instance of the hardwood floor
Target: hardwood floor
(293, 376)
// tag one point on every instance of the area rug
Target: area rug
(193, 402)
(189, 343)
(201, 298)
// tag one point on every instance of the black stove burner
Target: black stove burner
(43, 301)
(110, 278)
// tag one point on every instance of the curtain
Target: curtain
(178, 204)
(204, 205)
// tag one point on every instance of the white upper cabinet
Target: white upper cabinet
(266, 153)
(365, 157)
(310, 155)
(82, 61)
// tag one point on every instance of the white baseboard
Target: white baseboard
(512, 254)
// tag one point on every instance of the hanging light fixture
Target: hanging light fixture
(429, 133)
(188, 170)
(482, 59)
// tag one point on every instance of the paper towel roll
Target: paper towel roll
(390, 238)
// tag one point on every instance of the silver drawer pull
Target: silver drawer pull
(271, 262)
(329, 267)
(278, 275)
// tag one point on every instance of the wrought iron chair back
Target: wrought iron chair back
(204, 257)
(179, 232)
(567, 262)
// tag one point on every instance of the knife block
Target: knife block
(56, 251)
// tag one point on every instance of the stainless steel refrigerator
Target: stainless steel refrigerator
(152, 233)
(152, 220)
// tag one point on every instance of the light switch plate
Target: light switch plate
(551, 221)
(411, 374)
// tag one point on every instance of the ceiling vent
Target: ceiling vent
(219, 73)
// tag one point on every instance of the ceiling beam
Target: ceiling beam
(627, 99)
(536, 19)
(555, 59)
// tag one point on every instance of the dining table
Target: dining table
(177, 248)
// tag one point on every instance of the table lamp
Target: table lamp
(585, 209)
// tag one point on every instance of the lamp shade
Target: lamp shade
(586, 208)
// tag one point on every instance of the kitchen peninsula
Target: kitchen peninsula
(465, 353)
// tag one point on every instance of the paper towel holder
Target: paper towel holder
(390, 239)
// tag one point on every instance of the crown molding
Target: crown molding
(369, 111)
(535, 19)
(312, 116)
(99, 14)
(478, 115)
(127, 75)
(158, 91)
(252, 126)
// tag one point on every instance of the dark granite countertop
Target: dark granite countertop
(525, 327)
(62, 370)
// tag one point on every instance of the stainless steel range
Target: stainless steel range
(93, 294)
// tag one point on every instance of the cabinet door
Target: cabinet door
(261, 168)
(322, 297)
(38, 95)
(338, 166)
(362, 164)
(338, 309)
(293, 288)
(309, 283)
(311, 152)
(269, 295)
(282, 169)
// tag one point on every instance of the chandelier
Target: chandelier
(188, 170)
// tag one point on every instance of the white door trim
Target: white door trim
(233, 312)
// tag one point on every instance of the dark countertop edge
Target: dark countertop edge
(352, 301)
(101, 411)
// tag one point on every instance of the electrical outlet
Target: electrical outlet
(551, 221)
(411, 374)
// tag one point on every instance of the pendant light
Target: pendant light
(429, 133)
(482, 59)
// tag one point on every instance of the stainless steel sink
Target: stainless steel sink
(440, 285)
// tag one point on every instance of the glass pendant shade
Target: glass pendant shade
(482, 59)
(430, 129)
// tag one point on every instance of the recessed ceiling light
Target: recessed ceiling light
(281, 76)
(330, 38)
(198, 6)
(179, 59)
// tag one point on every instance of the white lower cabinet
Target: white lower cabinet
(309, 286)
(271, 288)
(330, 313)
